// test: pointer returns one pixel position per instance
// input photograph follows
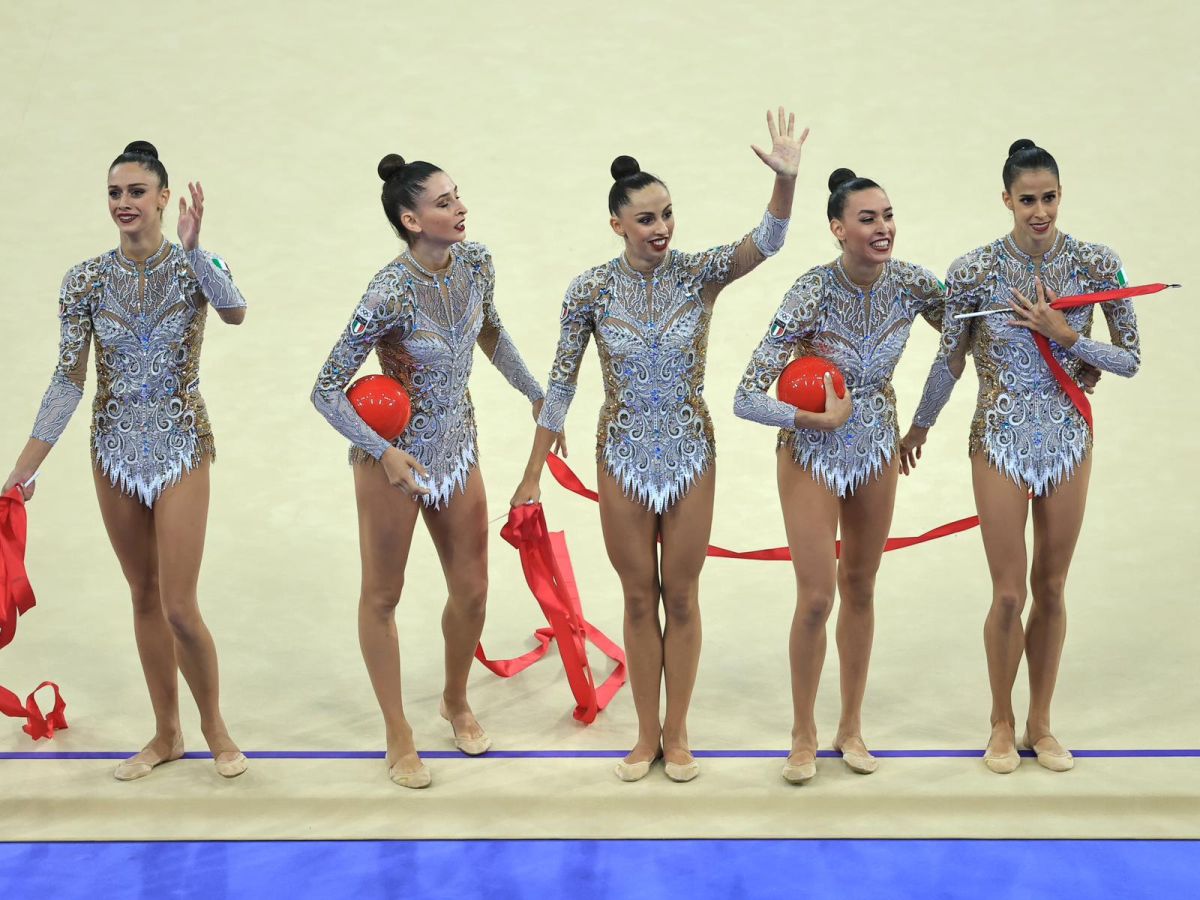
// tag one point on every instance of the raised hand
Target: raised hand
(784, 158)
(1040, 316)
(189, 217)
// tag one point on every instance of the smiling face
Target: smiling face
(647, 223)
(867, 229)
(136, 199)
(440, 215)
(1033, 199)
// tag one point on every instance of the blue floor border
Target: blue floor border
(598, 870)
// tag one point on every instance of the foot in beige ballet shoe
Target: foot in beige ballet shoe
(1054, 757)
(140, 765)
(857, 758)
(1002, 763)
(231, 763)
(471, 746)
(417, 779)
(635, 771)
(799, 773)
(682, 772)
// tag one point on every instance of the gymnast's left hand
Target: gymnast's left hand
(1041, 317)
(189, 217)
(784, 158)
(560, 439)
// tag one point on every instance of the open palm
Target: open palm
(784, 158)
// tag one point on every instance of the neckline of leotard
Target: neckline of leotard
(626, 269)
(152, 261)
(840, 274)
(411, 261)
(1010, 247)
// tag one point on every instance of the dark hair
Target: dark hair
(144, 154)
(1026, 156)
(627, 178)
(402, 185)
(843, 183)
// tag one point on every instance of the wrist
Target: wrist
(1067, 338)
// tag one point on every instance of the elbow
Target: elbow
(234, 315)
(742, 403)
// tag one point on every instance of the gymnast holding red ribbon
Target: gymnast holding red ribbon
(1012, 303)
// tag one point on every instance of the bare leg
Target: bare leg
(1057, 520)
(1003, 508)
(810, 517)
(866, 519)
(180, 520)
(630, 537)
(459, 532)
(130, 527)
(386, 520)
(685, 530)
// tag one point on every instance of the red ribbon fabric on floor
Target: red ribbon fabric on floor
(567, 478)
(16, 599)
(547, 566)
(37, 726)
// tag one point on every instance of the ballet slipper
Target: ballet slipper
(417, 779)
(232, 767)
(861, 762)
(799, 774)
(1059, 760)
(1001, 763)
(133, 768)
(471, 746)
(682, 772)
(636, 771)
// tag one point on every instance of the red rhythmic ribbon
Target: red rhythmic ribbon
(37, 726)
(16, 599)
(547, 566)
(563, 475)
(16, 594)
(1065, 381)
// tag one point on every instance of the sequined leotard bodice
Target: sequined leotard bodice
(149, 422)
(655, 435)
(861, 332)
(1023, 421)
(424, 327)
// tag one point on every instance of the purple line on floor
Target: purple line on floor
(592, 754)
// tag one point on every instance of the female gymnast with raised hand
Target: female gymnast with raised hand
(649, 310)
(143, 305)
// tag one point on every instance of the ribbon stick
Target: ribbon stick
(1075, 300)
(549, 574)
(567, 478)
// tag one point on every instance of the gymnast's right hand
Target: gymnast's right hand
(401, 470)
(837, 409)
(19, 478)
(527, 492)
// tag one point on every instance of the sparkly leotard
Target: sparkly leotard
(655, 435)
(1023, 420)
(861, 332)
(149, 422)
(424, 327)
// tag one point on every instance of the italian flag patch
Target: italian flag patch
(1121, 279)
(778, 328)
(219, 263)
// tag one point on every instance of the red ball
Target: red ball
(802, 383)
(382, 404)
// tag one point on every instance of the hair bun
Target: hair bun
(623, 167)
(840, 177)
(389, 167)
(142, 148)
(1022, 144)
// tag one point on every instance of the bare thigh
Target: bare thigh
(386, 521)
(130, 527)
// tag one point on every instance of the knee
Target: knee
(147, 601)
(813, 608)
(641, 607)
(857, 588)
(470, 598)
(1049, 593)
(183, 619)
(681, 606)
(380, 600)
(1008, 603)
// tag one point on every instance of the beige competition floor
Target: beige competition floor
(283, 112)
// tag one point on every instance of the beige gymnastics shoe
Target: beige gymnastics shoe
(799, 774)
(682, 772)
(1056, 758)
(232, 767)
(860, 761)
(141, 764)
(636, 771)
(420, 778)
(471, 746)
